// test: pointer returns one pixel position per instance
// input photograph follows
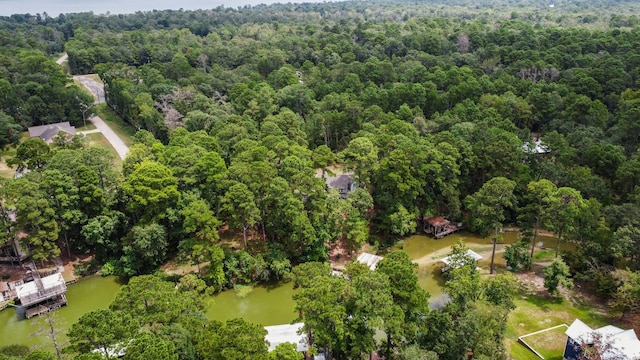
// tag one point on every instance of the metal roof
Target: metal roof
(287, 333)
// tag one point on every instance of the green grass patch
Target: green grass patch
(89, 126)
(97, 139)
(550, 344)
(6, 171)
(124, 130)
(544, 255)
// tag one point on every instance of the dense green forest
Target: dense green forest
(436, 109)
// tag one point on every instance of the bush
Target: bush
(14, 350)
(108, 269)
(557, 274)
(517, 256)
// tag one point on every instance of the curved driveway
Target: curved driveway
(94, 87)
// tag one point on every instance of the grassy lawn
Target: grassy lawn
(535, 312)
(6, 171)
(97, 139)
(124, 130)
(550, 343)
(89, 126)
(7, 153)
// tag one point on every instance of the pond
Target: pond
(266, 305)
(84, 296)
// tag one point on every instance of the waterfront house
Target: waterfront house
(38, 295)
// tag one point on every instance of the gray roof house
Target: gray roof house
(49, 131)
(344, 183)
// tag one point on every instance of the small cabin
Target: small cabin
(439, 227)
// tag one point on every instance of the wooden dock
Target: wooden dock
(446, 232)
(41, 309)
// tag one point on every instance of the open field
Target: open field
(536, 311)
(124, 130)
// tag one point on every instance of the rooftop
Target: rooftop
(52, 285)
(619, 342)
(49, 131)
(536, 148)
(437, 221)
(451, 262)
(291, 333)
(370, 260)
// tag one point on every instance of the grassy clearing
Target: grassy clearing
(534, 313)
(7, 153)
(124, 130)
(97, 139)
(6, 171)
(543, 255)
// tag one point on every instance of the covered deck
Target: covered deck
(439, 227)
(43, 294)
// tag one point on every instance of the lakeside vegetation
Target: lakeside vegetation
(435, 108)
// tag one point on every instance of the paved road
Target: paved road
(94, 87)
(121, 148)
(62, 59)
(97, 89)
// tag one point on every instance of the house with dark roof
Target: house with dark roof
(613, 342)
(344, 183)
(49, 131)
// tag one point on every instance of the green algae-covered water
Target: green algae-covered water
(266, 305)
(84, 296)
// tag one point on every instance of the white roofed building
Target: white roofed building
(287, 333)
(456, 261)
(615, 343)
(370, 260)
(42, 294)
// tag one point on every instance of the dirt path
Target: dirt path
(482, 249)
